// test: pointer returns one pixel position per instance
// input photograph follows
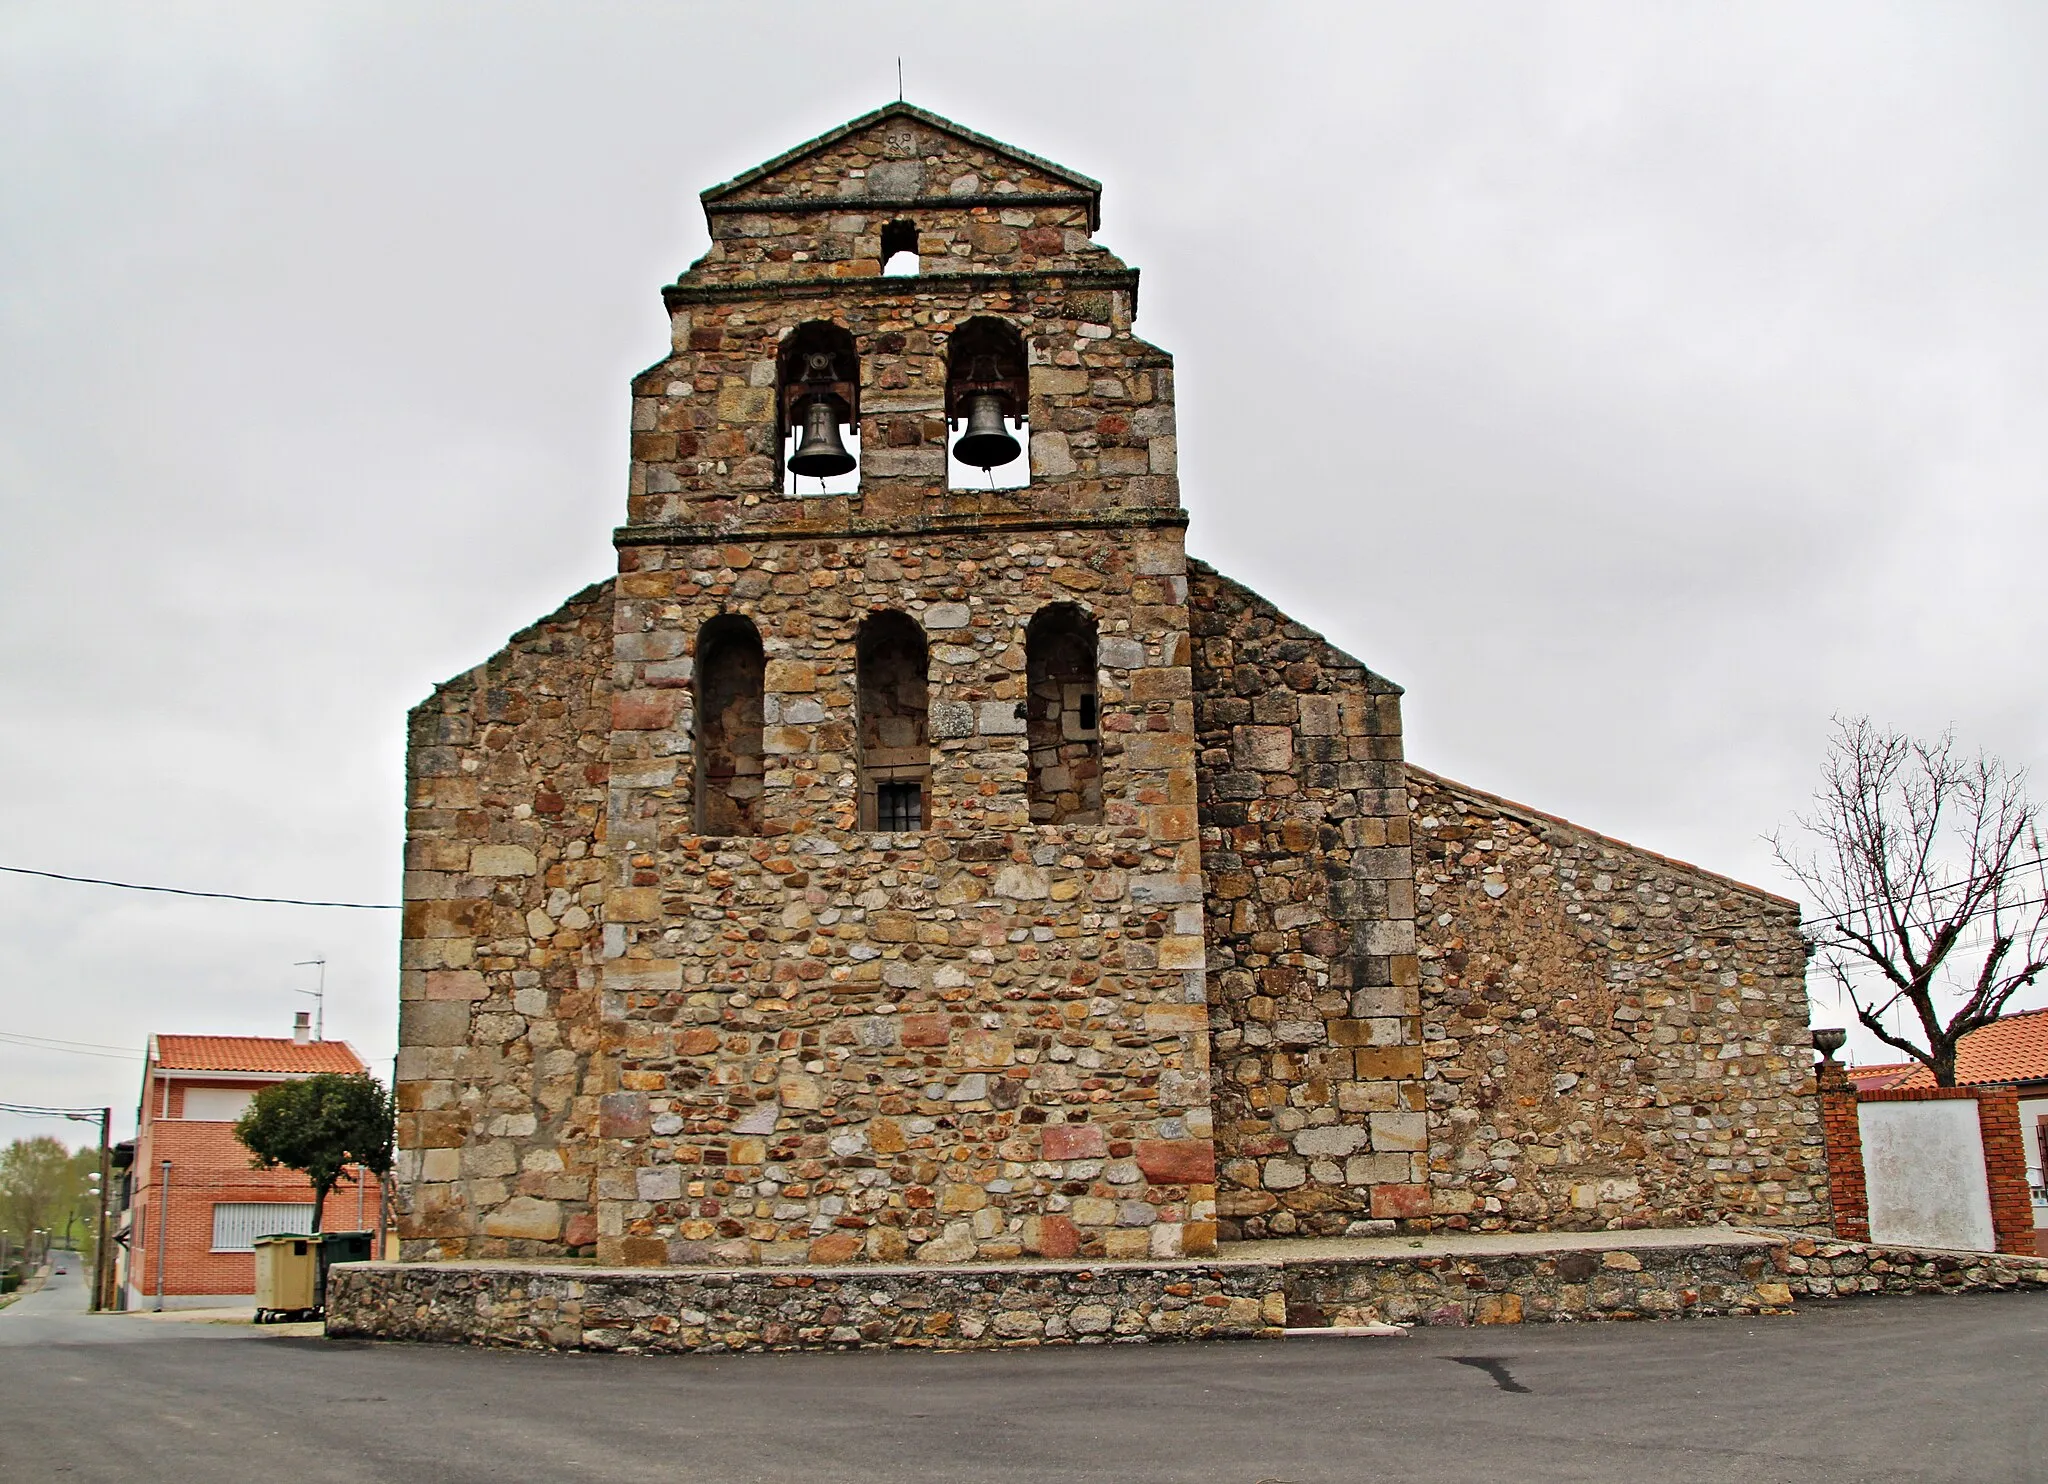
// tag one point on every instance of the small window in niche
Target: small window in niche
(899, 250)
(899, 806)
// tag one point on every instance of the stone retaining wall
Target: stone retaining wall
(1820, 1268)
(1530, 1288)
(1026, 1304)
(954, 1308)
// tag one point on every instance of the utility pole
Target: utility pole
(102, 1267)
(163, 1227)
(318, 995)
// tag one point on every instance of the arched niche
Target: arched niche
(728, 677)
(1062, 717)
(818, 366)
(891, 711)
(988, 394)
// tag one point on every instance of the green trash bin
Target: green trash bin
(343, 1247)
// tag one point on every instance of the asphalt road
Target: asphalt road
(1880, 1389)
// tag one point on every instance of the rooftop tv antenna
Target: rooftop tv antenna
(318, 995)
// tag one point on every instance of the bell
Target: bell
(986, 443)
(821, 454)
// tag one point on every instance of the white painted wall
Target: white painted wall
(1923, 1166)
(2033, 1129)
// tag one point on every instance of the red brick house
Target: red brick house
(189, 1164)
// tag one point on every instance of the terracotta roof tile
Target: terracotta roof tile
(1882, 1074)
(253, 1054)
(2013, 1048)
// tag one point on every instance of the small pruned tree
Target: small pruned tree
(1927, 871)
(320, 1126)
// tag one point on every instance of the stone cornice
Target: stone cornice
(720, 533)
(677, 294)
(873, 205)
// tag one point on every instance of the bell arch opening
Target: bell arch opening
(899, 250)
(988, 403)
(1062, 717)
(894, 736)
(729, 672)
(818, 410)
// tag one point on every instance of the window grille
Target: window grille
(237, 1224)
(899, 806)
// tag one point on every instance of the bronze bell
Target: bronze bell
(821, 455)
(986, 443)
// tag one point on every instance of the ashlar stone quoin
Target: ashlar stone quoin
(883, 865)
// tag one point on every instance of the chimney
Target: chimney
(302, 1026)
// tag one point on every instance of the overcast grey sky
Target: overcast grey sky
(1637, 385)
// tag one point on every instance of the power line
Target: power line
(1884, 930)
(1936, 891)
(31, 1110)
(222, 896)
(74, 1048)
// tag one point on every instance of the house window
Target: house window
(894, 737)
(237, 1224)
(216, 1104)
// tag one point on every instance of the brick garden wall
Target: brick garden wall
(2005, 1158)
(1848, 1196)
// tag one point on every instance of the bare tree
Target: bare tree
(1926, 867)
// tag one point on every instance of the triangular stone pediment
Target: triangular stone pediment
(902, 153)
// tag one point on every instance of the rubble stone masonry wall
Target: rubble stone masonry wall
(980, 1039)
(1613, 1039)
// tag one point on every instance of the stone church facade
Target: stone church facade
(912, 863)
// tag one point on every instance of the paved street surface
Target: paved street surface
(1881, 1389)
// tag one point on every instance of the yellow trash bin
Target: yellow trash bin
(287, 1274)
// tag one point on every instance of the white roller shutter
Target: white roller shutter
(237, 1224)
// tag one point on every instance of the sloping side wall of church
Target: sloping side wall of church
(497, 1088)
(1612, 1038)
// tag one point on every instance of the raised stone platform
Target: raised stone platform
(1256, 1291)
